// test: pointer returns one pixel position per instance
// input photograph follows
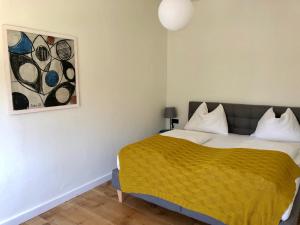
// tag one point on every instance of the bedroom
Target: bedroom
(130, 68)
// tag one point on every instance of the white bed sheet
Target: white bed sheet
(240, 141)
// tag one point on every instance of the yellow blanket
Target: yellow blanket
(235, 186)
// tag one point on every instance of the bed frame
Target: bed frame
(242, 119)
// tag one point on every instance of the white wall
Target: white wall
(233, 51)
(122, 69)
(236, 51)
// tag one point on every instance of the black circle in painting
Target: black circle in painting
(68, 66)
(20, 101)
(63, 50)
(42, 53)
(64, 91)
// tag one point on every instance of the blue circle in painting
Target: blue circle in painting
(52, 78)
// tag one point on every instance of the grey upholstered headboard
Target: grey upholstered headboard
(242, 119)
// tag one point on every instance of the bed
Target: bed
(242, 120)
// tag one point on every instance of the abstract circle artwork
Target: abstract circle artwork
(42, 70)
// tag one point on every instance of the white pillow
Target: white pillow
(213, 122)
(285, 128)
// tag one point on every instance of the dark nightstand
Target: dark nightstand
(163, 131)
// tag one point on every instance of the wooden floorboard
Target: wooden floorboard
(100, 206)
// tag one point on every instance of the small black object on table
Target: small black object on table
(163, 131)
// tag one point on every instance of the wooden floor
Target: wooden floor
(101, 207)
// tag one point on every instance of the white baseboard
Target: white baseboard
(44, 207)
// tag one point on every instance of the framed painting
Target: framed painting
(42, 70)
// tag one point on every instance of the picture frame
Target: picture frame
(41, 70)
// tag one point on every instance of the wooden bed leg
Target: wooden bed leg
(120, 196)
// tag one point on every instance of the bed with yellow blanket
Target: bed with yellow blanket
(235, 186)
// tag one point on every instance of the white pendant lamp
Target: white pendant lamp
(175, 14)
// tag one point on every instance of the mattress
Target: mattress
(240, 141)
